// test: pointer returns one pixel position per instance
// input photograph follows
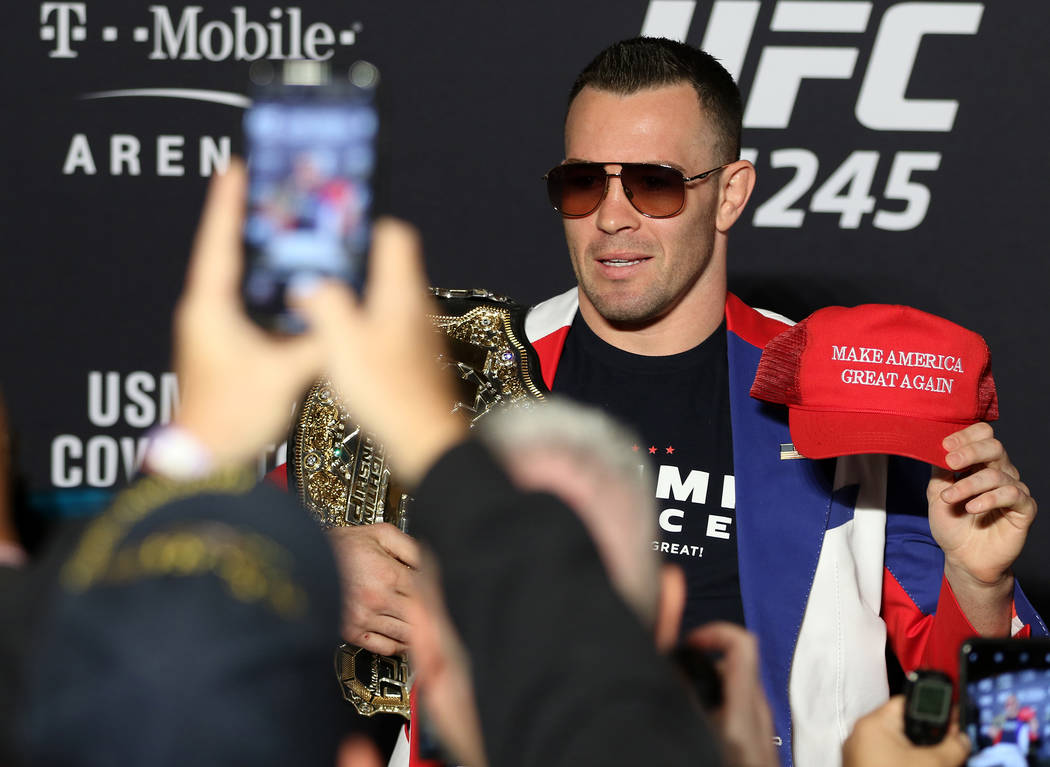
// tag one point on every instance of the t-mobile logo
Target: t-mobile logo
(881, 102)
(186, 34)
(69, 24)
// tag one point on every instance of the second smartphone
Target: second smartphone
(311, 147)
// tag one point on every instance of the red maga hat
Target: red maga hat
(877, 378)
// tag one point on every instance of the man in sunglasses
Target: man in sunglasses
(650, 186)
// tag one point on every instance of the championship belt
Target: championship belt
(341, 475)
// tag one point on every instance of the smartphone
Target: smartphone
(311, 142)
(1005, 701)
(927, 706)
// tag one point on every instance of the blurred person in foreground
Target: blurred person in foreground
(585, 459)
(193, 620)
(12, 560)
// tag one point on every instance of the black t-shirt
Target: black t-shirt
(679, 407)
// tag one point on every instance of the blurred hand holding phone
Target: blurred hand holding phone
(311, 143)
(1005, 701)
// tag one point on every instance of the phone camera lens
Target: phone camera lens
(364, 74)
(261, 72)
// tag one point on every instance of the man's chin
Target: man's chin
(626, 316)
(625, 308)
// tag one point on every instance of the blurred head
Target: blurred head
(1012, 706)
(586, 459)
(210, 615)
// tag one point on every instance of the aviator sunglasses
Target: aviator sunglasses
(576, 189)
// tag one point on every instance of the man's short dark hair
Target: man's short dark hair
(651, 62)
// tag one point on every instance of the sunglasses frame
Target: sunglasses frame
(627, 190)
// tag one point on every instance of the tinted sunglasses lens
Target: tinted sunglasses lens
(653, 189)
(576, 189)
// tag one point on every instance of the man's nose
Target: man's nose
(616, 213)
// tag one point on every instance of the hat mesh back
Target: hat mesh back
(777, 377)
(987, 399)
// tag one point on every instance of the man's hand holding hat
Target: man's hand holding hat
(980, 521)
(881, 378)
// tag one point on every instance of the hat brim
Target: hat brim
(820, 434)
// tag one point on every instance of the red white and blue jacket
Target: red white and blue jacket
(835, 557)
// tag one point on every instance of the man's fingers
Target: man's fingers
(385, 602)
(940, 480)
(304, 358)
(298, 359)
(975, 484)
(987, 489)
(878, 738)
(395, 275)
(745, 721)
(366, 628)
(954, 749)
(717, 634)
(976, 444)
(399, 607)
(216, 263)
(405, 584)
(972, 433)
(329, 308)
(391, 628)
(722, 636)
(395, 265)
(892, 711)
(398, 544)
(379, 644)
(738, 667)
(1007, 497)
(986, 451)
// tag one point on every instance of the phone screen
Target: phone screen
(1005, 706)
(311, 155)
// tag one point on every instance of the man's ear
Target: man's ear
(669, 610)
(737, 182)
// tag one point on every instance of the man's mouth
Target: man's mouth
(620, 262)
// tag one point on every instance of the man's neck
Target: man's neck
(688, 324)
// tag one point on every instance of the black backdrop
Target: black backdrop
(906, 163)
